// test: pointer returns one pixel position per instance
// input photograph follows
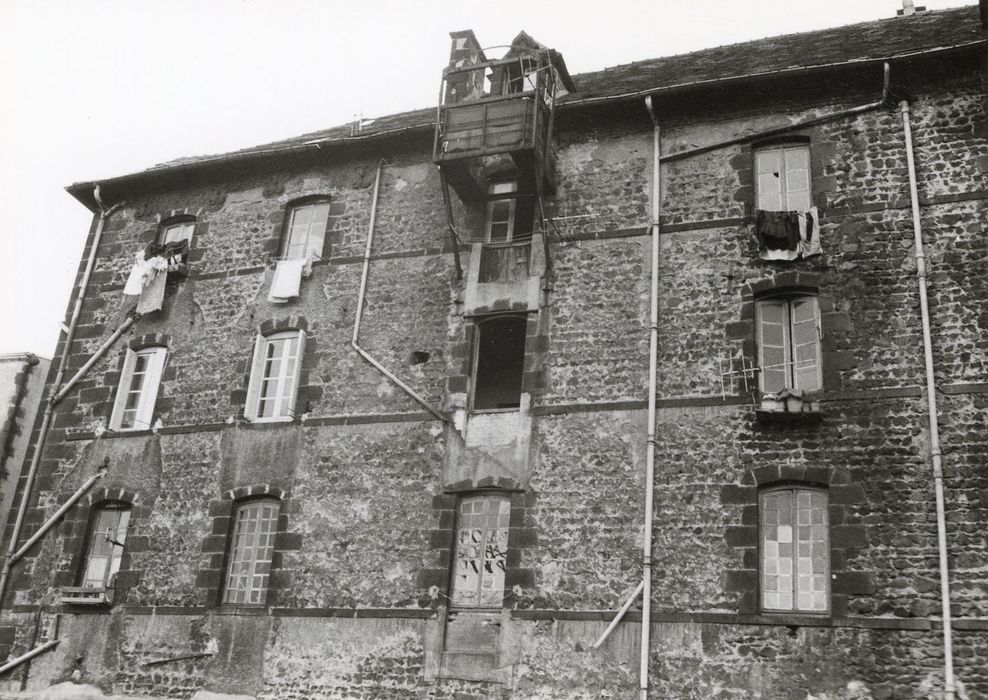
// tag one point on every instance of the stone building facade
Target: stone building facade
(422, 472)
(22, 379)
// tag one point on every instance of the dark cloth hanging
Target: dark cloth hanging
(777, 230)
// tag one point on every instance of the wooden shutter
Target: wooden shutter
(773, 345)
(804, 316)
(256, 376)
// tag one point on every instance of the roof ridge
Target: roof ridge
(781, 37)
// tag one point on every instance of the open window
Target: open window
(786, 222)
(255, 524)
(138, 389)
(789, 335)
(305, 230)
(176, 231)
(500, 362)
(509, 214)
(274, 376)
(105, 543)
(795, 550)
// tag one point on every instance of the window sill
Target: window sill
(269, 421)
(87, 596)
(485, 411)
(766, 417)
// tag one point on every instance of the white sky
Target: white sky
(100, 88)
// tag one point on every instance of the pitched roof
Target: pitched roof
(867, 41)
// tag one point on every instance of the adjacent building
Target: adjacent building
(414, 408)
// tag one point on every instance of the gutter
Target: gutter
(936, 455)
(80, 190)
(56, 394)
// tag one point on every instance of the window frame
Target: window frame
(782, 149)
(114, 558)
(179, 222)
(502, 529)
(147, 398)
(498, 193)
(286, 391)
(795, 490)
(260, 556)
(310, 250)
(789, 345)
(522, 321)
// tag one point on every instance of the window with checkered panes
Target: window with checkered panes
(481, 551)
(795, 550)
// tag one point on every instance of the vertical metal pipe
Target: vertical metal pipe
(653, 338)
(949, 689)
(50, 404)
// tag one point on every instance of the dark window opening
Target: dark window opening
(500, 362)
(509, 214)
(105, 544)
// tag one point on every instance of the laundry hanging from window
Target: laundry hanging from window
(147, 280)
(787, 235)
(287, 280)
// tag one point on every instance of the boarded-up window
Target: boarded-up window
(104, 551)
(783, 178)
(500, 362)
(789, 344)
(795, 550)
(481, 552)
(251, 549)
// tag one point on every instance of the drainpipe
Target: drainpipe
(360, 307)
(104, 214)
(949, 689)
(11, 665)
(653, 340)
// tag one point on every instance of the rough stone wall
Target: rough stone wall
(359, 473)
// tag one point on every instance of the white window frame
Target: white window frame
(183, 231)
(248, 570)
(786, 169)
(803, 564)
(498, 193)
(302, 240)
(802, 372)
(285, 381)
(146, 393)
(116, 539)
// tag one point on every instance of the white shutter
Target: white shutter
(797, 179)
(123, 387)
(256, 377)
(149, 392)
(806, 343)
(293, 381)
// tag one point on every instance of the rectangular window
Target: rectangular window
(788, 344)
(251, 547)
(795, 550)
(138, 389)
(481, 552)
(107, 536)
(783, 178)
(501, 212)
(181, 231)
(306, 231)
(500, 362)
(274, 376)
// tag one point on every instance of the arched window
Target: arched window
(251, 548)
(105, 544)
(795, 549)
